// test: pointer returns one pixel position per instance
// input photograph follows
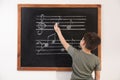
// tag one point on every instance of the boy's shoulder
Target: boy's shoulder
(92, 55)
(96, 58)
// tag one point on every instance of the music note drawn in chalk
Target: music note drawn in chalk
(69, 26)
(46, 45)
(62, 49)
(59, 18)
(52, 37)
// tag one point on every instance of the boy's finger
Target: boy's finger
(56, 24)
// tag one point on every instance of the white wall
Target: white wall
(8, 41)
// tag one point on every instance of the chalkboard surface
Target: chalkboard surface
(38, 45)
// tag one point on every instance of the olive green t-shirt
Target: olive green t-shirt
(83, 64)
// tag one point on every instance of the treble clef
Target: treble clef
(41, 25)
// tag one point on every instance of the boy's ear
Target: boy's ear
(84, 43)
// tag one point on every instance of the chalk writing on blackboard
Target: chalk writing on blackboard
(41, 25)
(51, 44)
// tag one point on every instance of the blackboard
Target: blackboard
(38, 45)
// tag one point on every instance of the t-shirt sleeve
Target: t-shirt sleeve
(98, 66)
(71, 50)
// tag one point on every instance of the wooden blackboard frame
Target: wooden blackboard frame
(53, 6)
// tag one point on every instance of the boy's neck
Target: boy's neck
(87, 51)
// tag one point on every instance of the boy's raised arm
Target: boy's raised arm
(61, 38)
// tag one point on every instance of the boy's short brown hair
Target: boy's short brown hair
(92, 40)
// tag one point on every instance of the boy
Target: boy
(84, 62)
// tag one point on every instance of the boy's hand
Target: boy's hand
(56, 28)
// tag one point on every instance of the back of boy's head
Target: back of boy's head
(92, 40)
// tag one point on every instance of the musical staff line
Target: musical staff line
(69, 43)
(56, 40)
(63, 29)
(62, 19)
(60, 22)
(50, 53)
(61, 16)
(57, 45)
